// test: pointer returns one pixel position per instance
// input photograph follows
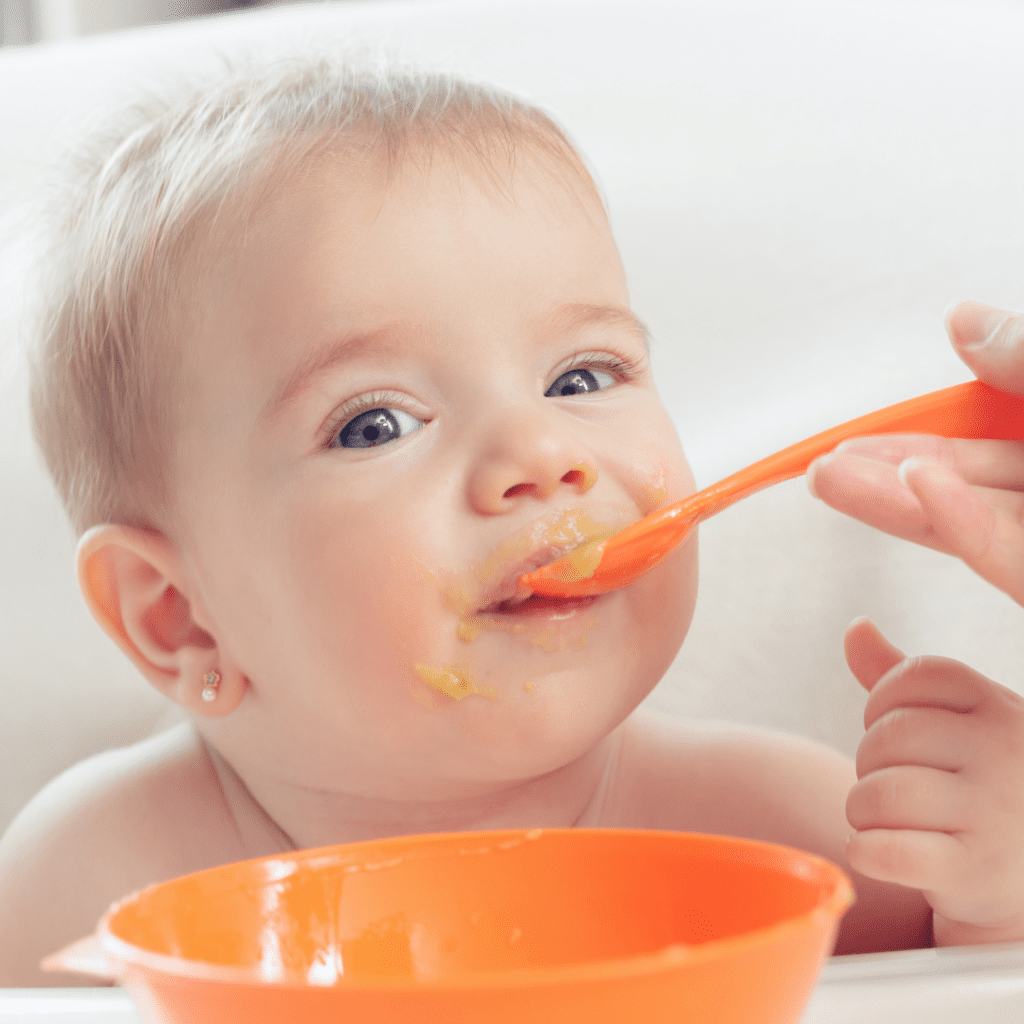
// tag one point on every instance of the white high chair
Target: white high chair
(798, 189)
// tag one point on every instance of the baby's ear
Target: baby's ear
(135, 585)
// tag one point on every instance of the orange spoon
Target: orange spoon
(973, 410)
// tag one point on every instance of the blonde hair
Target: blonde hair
(136, 205)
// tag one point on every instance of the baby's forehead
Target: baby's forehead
(497, 164)
(281, 243)
(379, 189)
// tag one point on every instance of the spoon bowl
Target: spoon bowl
(971, 410)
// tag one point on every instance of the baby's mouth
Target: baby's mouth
(490, 589)
(510, 598)
(537, 604)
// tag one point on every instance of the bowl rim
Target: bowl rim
(133, 959)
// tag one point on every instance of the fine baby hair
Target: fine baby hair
(137, 214)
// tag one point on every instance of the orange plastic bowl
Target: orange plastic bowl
(560, 925)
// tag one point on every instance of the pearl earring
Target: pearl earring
(211, 683)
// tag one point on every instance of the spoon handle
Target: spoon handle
(971, 410)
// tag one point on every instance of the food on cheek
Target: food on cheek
(456, 683)
(655, 488)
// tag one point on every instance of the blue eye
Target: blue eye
(375, 427)
(578, 382)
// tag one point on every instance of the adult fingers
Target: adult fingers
(991, 342)
(965, 526)
(987, 463)
(872, 492)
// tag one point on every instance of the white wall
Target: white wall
(65, 19)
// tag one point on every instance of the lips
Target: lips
(507, 594)
(492, 588)
(539, 604)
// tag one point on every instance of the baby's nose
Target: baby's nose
(528, 459)
(582, 476)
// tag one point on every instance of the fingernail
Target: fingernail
(987, 326)
(949, 309)
(907, 466)
(811, 470)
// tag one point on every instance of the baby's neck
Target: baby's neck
(272, 818)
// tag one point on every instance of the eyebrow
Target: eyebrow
(318, 362)
(570, 317)
(574, 316)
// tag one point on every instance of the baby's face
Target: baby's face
(403, 395)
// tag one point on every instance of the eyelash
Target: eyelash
(625, 369)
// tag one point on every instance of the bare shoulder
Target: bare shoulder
(733, 780)
(737, 780)
(109, 825)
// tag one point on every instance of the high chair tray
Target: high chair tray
(961, 985)
(955, 985)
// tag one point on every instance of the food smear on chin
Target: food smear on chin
(469, 629)
(456, 683)
(551, 639)
(588, 625)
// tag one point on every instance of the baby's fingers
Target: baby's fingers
(923, 860)
(911, 797)
(868, 653)
(990, 543)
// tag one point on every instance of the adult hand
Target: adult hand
(965, 498)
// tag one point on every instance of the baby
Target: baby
(331, 356)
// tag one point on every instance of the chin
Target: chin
(525, 733)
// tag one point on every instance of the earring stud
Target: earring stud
(211, 683)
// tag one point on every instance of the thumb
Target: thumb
(991, 342)
(868, 653)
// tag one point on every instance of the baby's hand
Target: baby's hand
(940, 802)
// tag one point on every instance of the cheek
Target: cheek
(659, 472)
(663, 601)
(360, 587)
(357, 590)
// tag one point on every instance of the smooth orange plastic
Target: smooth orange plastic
(568, 926)
(971, 410)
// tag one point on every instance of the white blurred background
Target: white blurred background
(34, 21)
(798, 189)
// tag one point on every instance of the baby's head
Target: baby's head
(331, 357)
